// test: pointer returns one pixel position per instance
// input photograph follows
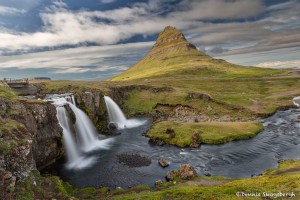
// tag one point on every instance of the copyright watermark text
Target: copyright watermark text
(266, 194)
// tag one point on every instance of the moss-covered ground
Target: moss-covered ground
(7, 93)
(210, 132)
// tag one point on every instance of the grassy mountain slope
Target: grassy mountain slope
(173, 56)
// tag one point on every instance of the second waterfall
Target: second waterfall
(117, 117)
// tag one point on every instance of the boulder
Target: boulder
(206, 173)
(158, 183)
(185, 172)
(163, 163)
(196, 140)
(113, 126)
(201, 96)
(171, 132)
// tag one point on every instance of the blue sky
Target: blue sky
(97, 39)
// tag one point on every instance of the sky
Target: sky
(97, 39)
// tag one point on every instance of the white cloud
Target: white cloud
(77, 60)
(280, 64)
(4, 10)
(65, 27)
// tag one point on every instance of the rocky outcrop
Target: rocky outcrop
(196, 140)
(92, 103)
(170, 40)
(32, 134)
(185, 172)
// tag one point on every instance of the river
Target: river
(280, 140)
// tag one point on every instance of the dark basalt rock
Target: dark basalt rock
(134, 160)
(113, 126)
(71, 113)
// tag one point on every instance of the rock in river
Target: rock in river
(186, 172)
(163, 163)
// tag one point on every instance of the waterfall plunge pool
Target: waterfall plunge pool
(279, 141)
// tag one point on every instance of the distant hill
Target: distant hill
(172, 56)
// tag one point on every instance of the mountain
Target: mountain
(172, 56)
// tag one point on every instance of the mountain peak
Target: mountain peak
(171, 54)
(171, 36)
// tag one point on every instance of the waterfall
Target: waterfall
(73, 100)
(86, 134)
(69, 143)
(115, 113)
(116, 116)
(296, 101)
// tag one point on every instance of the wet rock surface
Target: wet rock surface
(185, 172)
(134, 160)
(92, 103)
(163, 163)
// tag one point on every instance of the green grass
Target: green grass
(262, 95)
(285, 183)
(210, 132)
(7, 94)
(9, 142)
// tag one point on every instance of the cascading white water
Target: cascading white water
(117, 116)
(73, 100)
(296, 101)
(115, 113)
(84, 130)
(87, 133)
(69, 143)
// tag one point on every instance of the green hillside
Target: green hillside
(173, 56)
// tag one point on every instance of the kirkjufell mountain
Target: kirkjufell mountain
(173, 55)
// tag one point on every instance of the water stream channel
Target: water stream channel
(280, 140)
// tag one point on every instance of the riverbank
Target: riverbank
(284, 179)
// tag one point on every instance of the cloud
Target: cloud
(79, 60)
(219, 9)
(65, 27)
(280, 64)
(21, 5)
(107, 1)
(237, 32)
(4, 10)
